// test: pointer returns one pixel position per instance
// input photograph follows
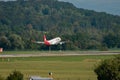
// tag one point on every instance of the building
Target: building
(39, 78)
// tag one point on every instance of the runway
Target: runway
(61, 53)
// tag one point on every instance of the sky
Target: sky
(108, 6)
(7, 0)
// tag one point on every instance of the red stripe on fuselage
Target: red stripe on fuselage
(47, 43)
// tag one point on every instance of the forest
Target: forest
(24, 20)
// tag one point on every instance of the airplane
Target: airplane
(54, 41)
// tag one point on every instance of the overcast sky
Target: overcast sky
(109, 6)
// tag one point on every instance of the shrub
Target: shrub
(16, 75)
(109, 69)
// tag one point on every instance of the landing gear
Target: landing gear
(49, 48)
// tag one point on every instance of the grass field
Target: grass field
(62, 67)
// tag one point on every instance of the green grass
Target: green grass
(63, 67)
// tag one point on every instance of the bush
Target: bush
(109, 69)
(16, 75)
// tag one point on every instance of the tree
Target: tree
(15, 75)
(111, 40)
(4, 42)
(109, 69)
(16, 41)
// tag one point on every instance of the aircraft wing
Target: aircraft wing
(62, 42)
(38, 42)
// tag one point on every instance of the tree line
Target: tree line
(24, 20)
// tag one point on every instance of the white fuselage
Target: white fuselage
(53, 41)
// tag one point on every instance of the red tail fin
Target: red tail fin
(45, 41)
(45, 38)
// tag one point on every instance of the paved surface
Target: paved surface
(62, 53)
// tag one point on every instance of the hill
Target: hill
(23, 20)
(111, 6)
